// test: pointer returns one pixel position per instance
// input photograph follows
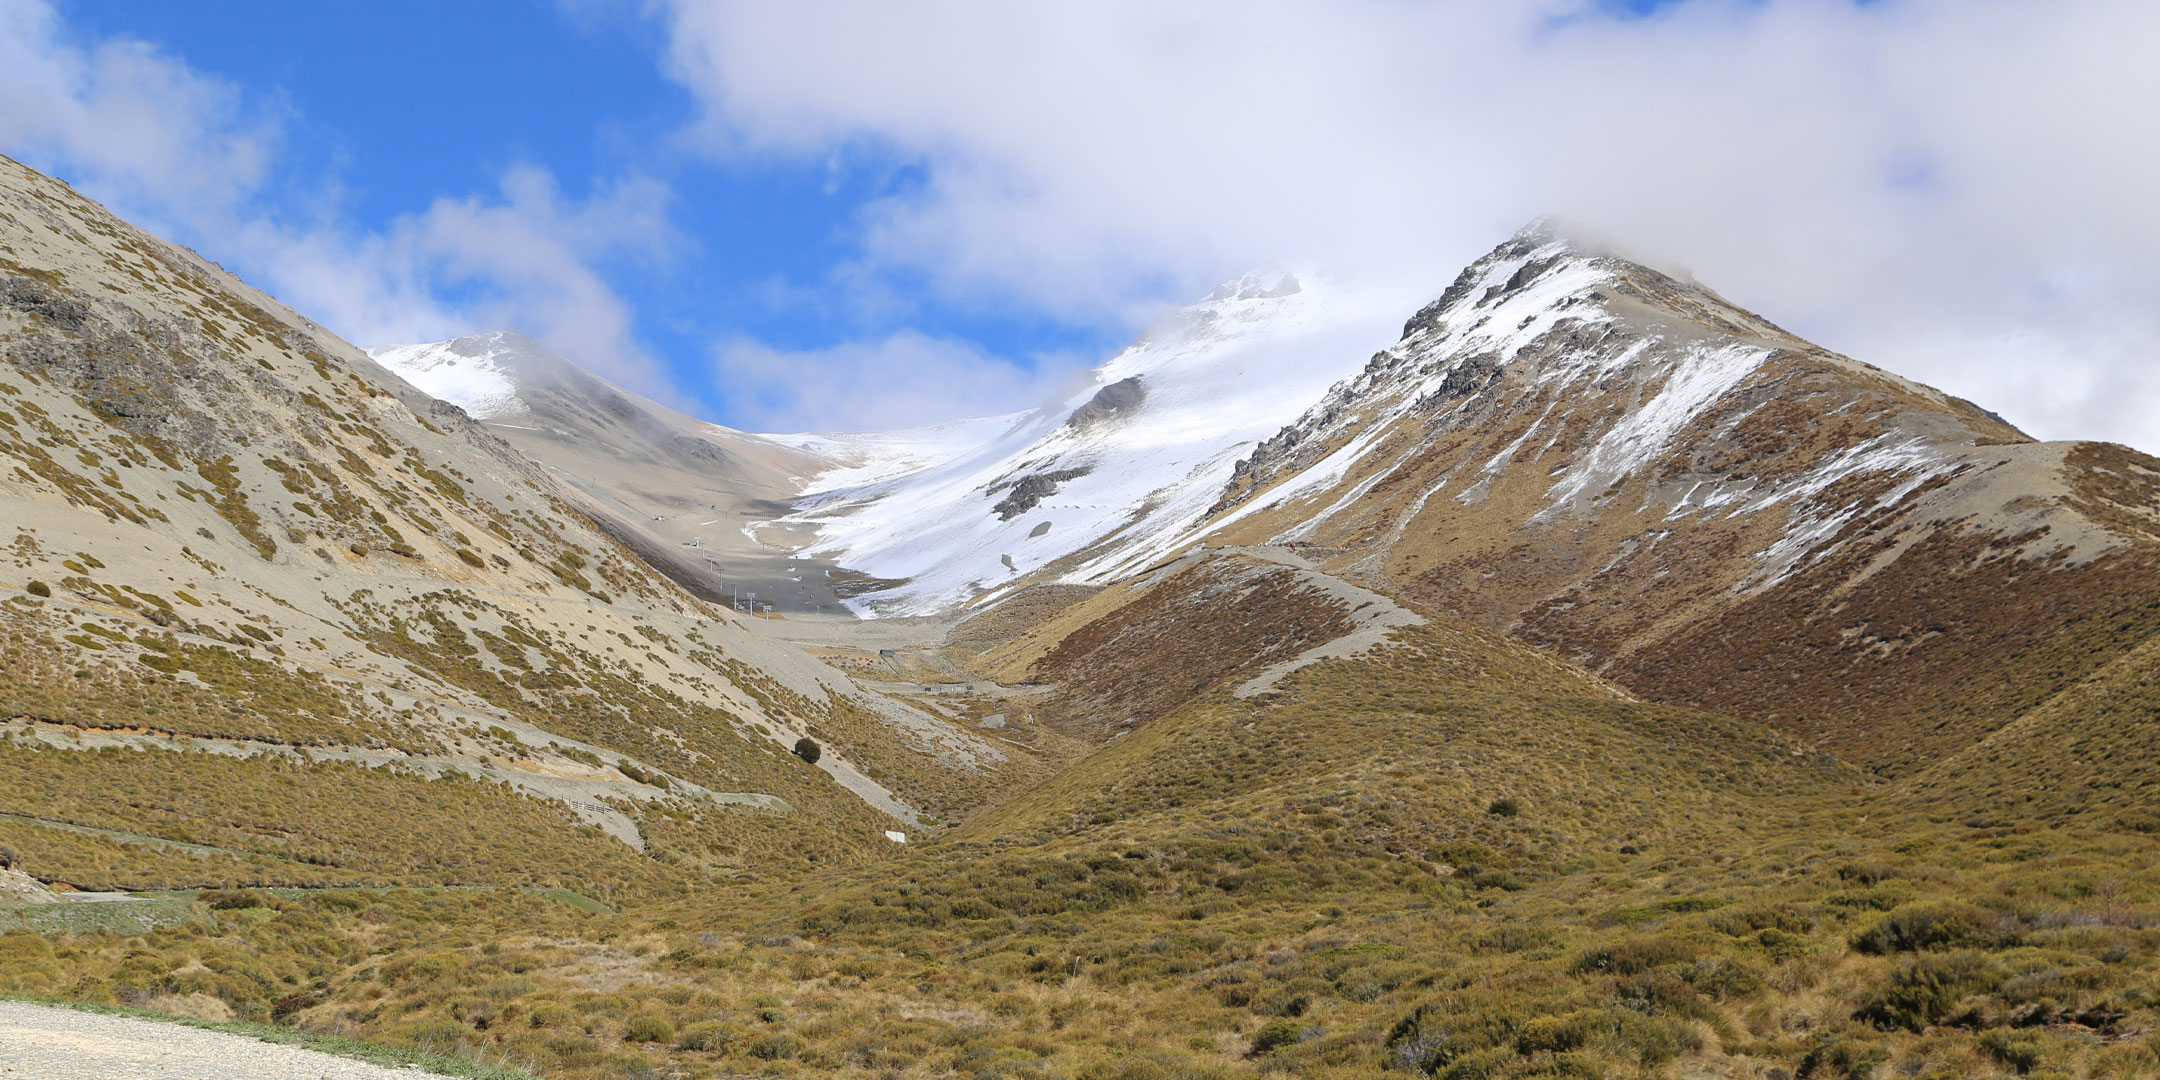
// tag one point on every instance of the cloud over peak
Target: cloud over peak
(1948, 187)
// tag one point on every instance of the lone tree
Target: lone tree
(807, 749)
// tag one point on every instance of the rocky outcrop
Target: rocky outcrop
(1111, 402)
(1626, 469)
(1028, 491)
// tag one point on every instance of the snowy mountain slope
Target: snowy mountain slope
(865, 457)
(1567, 445)
(476, 373)
(1599, 458)
(1601, 370)
(1100, 481)
(513, 383)
(1627, 469)
(673, 487)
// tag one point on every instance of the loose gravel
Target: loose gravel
(40, 1042)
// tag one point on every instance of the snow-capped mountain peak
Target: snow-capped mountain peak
(1556, 386)
(1257, 285)
(477, 373)
(1137, 452)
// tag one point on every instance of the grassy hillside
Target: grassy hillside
(2083, 759)
(240, 561)
(1626, 470)
(1443, 858)
(411, 752)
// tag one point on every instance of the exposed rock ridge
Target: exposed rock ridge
(1115, 400)
(1029, 491)
(1618, 465)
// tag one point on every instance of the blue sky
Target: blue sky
(853, 213)
(394, 105)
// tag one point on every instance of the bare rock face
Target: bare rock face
(1610, 462)
(17, 887)
(1627, 469)
(1117, 399)
(1028, 491)
(1621, 467)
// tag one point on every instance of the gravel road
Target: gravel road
(39, 1042)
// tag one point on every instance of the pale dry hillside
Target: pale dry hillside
(228, 531)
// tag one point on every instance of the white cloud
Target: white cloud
(902, 380)
(522, 259)
(126, 118)
(184, 154)
(1956, 189)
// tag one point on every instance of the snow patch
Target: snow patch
(473, 373)
(1218, 376)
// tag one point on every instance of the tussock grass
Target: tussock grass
(1310, 884)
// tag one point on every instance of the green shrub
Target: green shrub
(808, 750)
(1504, 806)
(648, 1028)
(707, 1035)
(1752, 919)
(1635, 956)
(2018, 1049)
(1867, 899)
(1660, 993)
(776, 1047)
(235, 901)
(1554, 1034)
(1489, 878)
(1650, 1041)
(1867, 873)
(1478, 1066)
(1843, 1060)
(1464, 854)
(1274, 1035)
(1685, 904)
(549, 1013)
(1925, 991)
(1949, 925)
(39, 588)
(1723, 979)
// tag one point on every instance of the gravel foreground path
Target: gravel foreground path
(40, 1042)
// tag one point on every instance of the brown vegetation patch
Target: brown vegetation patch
(2116, 486)
(1200, 627)
(1952, 640)
(1017, 614)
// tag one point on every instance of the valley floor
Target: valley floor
(1438, 857)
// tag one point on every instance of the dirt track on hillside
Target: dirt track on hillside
(50, 1043)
